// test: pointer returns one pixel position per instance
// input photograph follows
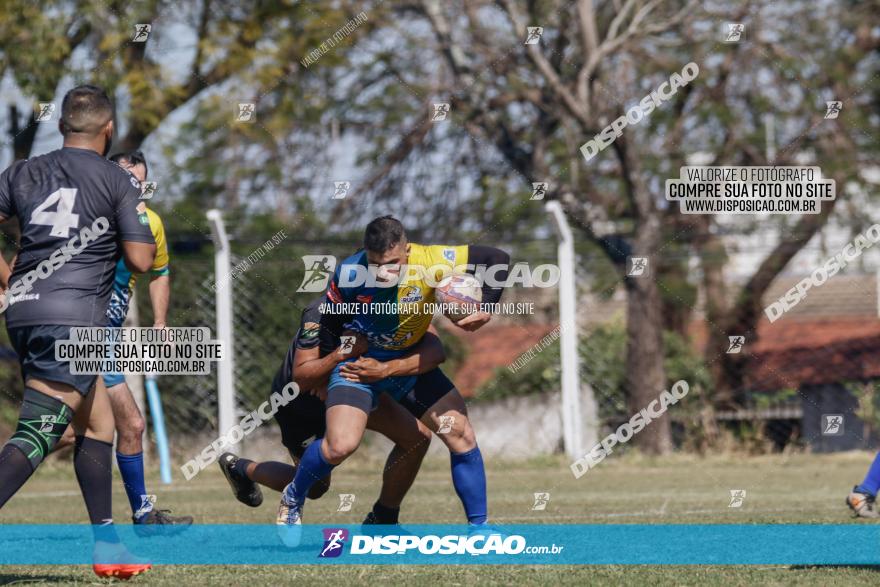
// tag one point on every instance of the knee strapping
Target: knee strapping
(350, 396)
(42, 421)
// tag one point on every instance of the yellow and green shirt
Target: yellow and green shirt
(393, 331)
(123, 283)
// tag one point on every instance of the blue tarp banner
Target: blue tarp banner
(598, 544)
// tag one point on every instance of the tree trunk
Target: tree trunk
(724, 369)
(22, 138)
(713, 258)
(646, 377)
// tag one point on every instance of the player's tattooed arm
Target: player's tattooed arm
(428, 354)
(310, 369)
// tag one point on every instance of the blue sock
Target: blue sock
(132, 469)
(872, 480)
(312, 467)
(469, 479)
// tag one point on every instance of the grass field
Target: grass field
(681, 489)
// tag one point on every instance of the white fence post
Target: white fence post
(572, 423)
(223, 292)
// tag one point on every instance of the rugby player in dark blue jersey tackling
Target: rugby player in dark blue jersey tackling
(313, 354)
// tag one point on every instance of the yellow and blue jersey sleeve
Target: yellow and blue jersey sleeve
(399, 329)
(162, 260)
(439, 260)
(124, 280)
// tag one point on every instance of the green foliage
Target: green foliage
(869, 403)
(540, 374)
(603, 366)
(770, 399)
(683, 362)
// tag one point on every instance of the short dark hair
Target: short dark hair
(131, 158)
(383, 233)
(85, 110)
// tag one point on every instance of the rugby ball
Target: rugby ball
(460, 295)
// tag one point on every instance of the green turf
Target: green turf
(681, 489)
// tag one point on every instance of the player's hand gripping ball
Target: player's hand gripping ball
(460, 295)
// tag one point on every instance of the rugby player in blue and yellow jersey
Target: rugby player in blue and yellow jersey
(408, 273)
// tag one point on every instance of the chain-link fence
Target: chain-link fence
(777, 413)
(266, 314)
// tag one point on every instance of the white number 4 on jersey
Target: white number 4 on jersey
(63, 218)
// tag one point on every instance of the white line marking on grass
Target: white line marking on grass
(42, 494)
(502, 519)
(662, 510)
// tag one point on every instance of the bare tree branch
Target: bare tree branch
(590, 42)
(562, 93)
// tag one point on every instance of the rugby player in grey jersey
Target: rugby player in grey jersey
(77, 214)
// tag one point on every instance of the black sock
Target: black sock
(241, 466)
(385, 515)
(15, 469)
(93, 461)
